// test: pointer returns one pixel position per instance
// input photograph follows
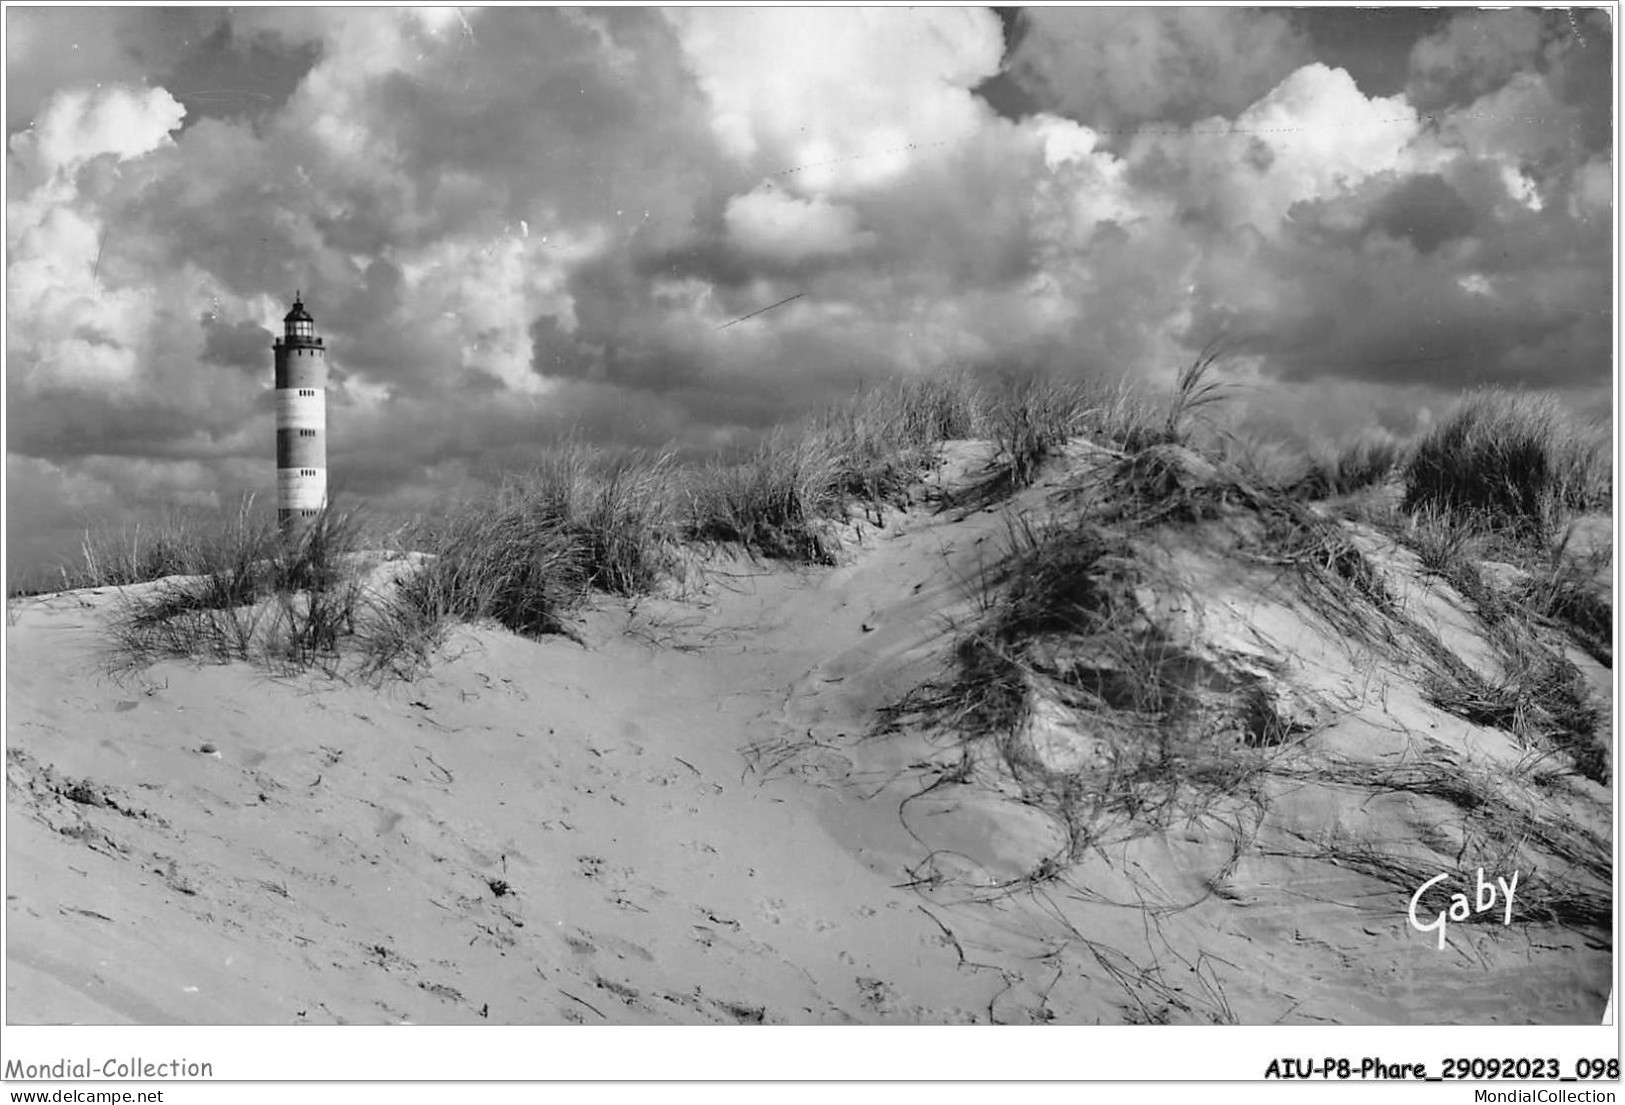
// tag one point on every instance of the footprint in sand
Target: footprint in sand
(442, 991)
(774, 911)
(877, 995)
(627, 994)
(714, 918)
(742, 1012)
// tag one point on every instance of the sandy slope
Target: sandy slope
(695, 818)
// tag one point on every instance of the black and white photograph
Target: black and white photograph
(740, 516)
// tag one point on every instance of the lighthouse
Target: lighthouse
(301, 420)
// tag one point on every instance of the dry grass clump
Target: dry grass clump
(1510, 457)
(883, 440)
(1194, 389)
(1439, 536)
(263, 595)
(1169, 482)
(1061, 577)
(136, 554)
(1447, 543)
(1262, 463)
(1030, 423)
(509, 558)
(618, 512)
(1052, 580)
(1561, 589)
(1123, 415)
(1567, 590)
(529, 552)
(1336, 568)
(1035, 417)
(1368, 460)
(1322, 471)
(230, 567)
(1030, 419)
(181, 543)
(1540, 697)
(1174, 483)
(317, 590)
(1062, 624)
(777, 502)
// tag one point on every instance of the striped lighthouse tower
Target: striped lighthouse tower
(301, 420)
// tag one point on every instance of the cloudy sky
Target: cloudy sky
(512, 224)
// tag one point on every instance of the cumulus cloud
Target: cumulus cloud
(1123, 68)
(1345, 236)
(64, 327)
(1442, 276)
(78, 125)
(768, 222)
(1523, 126)
(835, 100)
(1312, 135)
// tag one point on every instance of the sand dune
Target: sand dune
(706, 813)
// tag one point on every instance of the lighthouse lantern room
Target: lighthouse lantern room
(301, 420)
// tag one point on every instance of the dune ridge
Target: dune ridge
(765, 797)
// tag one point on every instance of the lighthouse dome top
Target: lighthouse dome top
(297, 325)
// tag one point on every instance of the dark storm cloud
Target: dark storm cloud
(239, 345)
(536, 101)
(622, 335)
(1581, 71)
(555, 354)
(1420, 277)
(1372, 43)
(1424, 210)
(194, 53)
(1476, 53)
(48, 49)
(63, 425)
(220, 72)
